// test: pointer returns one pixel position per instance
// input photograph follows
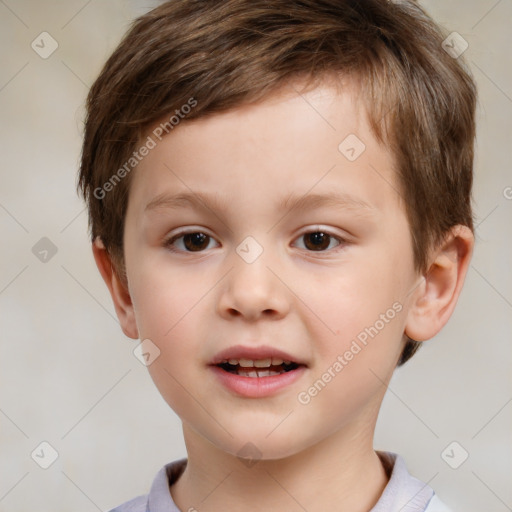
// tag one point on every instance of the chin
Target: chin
(255, 445)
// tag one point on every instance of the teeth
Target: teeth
(258, 373)
(257, 367)
(256, 363)
(263, 363)
(248, 374)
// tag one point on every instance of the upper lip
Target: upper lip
(253, 353)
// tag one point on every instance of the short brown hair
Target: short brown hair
(226, 53)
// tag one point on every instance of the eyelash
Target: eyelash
(170, 241)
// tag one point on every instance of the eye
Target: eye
(319, 241)
(195, 241)
(198, 241)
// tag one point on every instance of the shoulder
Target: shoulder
(159, 497)
(135, 505)
(436, 505)
(404, 492)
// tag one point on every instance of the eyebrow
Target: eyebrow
(290, 203)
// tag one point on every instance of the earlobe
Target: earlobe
(117, 288)
(434, 299)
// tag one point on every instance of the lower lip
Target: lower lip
(257, 387)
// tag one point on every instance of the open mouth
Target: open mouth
(257, 372)
(257, 368)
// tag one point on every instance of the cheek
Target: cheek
(167, 308)
(169, 303)
(342, 303)
(163, 297)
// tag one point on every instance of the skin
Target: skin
(309, 303)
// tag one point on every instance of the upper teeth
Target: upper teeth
(258, 363)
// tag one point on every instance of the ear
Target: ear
(435, 297)
(118, 290)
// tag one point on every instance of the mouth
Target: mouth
(256, 372)
(257, 368)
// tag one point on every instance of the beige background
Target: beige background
(67, 373)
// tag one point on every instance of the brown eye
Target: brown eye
(195, 241)
(318, 241)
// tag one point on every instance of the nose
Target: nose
(252, 291)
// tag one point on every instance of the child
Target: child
(279, 201)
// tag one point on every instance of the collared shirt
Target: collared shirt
(403, 493)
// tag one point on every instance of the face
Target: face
(269, 259)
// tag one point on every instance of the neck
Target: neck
(343, 470)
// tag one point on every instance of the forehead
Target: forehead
(294, 141)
